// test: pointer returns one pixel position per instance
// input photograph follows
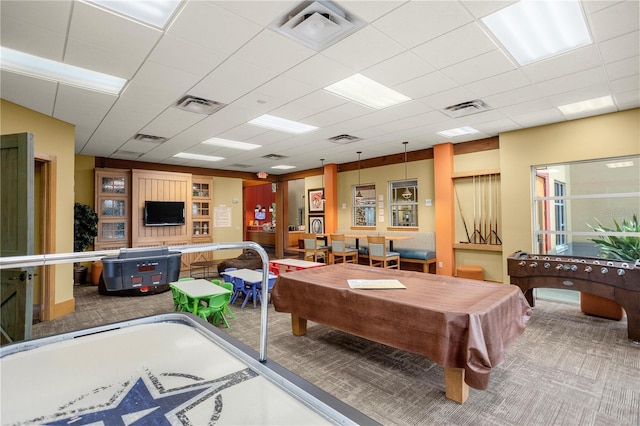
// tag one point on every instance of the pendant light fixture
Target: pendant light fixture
(358, 194)
(322, 200)
(406, 194)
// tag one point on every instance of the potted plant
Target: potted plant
(619, 248)
(85, 229)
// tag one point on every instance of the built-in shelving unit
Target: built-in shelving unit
(112, 204)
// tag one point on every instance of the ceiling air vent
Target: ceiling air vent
(149, 138)
(240, 166)
(344, 139)
(317, 24)
(274, 156)
(198, 105)
(466, 108)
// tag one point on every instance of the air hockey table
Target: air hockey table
(166, 369)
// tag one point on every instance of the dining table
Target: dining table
(199, 290)
(250, 277)
(286, 265)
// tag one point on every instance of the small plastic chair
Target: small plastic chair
(175, 293)
(272, 281)
(227, 309)
(238, 289)
(215, 309)
(217, 282)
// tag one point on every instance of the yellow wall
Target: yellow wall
(55, 138)
(381, 176)
(610, 135)
(225, 190)
(84, 179)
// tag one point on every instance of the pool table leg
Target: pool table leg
(455, 387)
(298, 325)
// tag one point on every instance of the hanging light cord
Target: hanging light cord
(406, 194)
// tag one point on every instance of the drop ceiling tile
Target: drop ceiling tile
(216, 85)
(511, 97)
(32, 39)
(565, 64)
(370, 10)
(258, 11)
(575, 81)
(483, 66)
(625, 84)
(499, 83)
(96, 58)
(338, 114)
(157, 83)
(38, 95)
(432, 17)
(189, 57)
(469, 41)
(398, 69)
(497, 126)
(111, 32)
(363, 49)
(480, 9)
(593, 6)
(46, 14)
(273, 52)
(170, 122)
(319, 71)
(627, 100)
(214, 27)
(308, 105)
(579, 95)
(617, 20)
(624, 68)
(425, 85)
(538, 118)
(449, 97)
(527, 107)
(81, 107)
(621, 47)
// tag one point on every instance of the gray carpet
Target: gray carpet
(566, 369)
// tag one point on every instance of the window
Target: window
(561, 217)
(403, 203)
(364, 205)
(584, 194)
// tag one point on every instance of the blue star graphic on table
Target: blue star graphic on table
(138, 407)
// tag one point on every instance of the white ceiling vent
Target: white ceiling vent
(466, 108)
(198, 105)
(344, 139)
(274, 157)
(317, 24)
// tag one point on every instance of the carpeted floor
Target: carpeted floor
(566, 369)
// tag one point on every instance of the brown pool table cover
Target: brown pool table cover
(457, 323)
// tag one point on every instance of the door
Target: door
(16, 230)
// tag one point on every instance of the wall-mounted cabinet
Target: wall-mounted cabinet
(201, 209)
(112, 204)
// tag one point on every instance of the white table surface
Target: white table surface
(298, 263)
(199, 288)
(248, 275)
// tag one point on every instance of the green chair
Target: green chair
(176, 298)
(217, 282)
(215, 309)
(227, 309)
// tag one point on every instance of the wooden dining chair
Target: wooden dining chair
(313, 251)
(378, 254)
(340, 251)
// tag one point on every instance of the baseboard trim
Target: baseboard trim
(64, 308)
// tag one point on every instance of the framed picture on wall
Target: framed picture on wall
(315, 200)
(316, 224)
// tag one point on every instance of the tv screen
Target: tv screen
(163, 213)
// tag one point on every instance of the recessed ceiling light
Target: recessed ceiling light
(535, 30)
(587, 106)
(460, 131)
(620, 164)
(46, 69)
(283, 167)
(155, 13)
(198, 156)
(281, 124)
(226, 143)
(367, 92)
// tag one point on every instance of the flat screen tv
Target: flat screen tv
(164, 213)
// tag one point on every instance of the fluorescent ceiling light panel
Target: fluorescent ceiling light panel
(46, 69)
(365, 91)
(198, 157)
(283, 167)
(620, 164)
(281, 124)
(535, 30)
(460, 131)
(226, 143)
(587, 106)
(155, 13)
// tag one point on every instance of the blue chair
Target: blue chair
(238, 289)
(249, 290)
(272, 281)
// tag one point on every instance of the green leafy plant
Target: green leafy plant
(620, 248)
(85, 226)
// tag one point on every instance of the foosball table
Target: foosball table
(610, 279)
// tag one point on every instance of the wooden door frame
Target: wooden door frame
(48, 234)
